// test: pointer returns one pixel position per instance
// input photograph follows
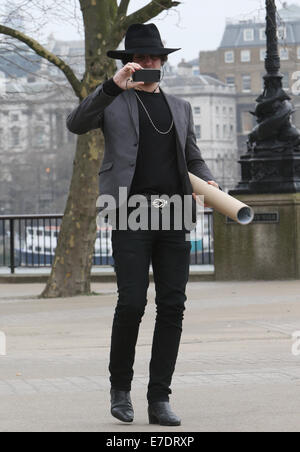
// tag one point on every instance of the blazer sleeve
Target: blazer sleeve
(195, 163)
(89, 113)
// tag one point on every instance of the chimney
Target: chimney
(185, 69)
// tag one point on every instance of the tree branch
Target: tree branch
(123, 7)
(153, 9)
(44, 53)
(60, 87)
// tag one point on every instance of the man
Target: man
(150, 146)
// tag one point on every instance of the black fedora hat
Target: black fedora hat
(142, 39)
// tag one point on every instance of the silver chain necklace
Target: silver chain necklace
(146, 111)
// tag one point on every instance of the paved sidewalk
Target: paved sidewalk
(99, 274)
(235, 370)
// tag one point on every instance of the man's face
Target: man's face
(148, 61)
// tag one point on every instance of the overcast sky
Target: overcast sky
(195, 25)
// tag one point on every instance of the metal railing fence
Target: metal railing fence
(29, 241)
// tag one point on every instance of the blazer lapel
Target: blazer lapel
(133, 109)
(179, 120)
(181, 133)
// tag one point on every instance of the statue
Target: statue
(272, 163)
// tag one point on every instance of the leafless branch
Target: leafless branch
(151, 10)
(123, 7)
(44, 53)
(38, 76)
(37, 14)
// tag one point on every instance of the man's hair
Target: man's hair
(129, 59)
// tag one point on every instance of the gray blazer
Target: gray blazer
(118, 117)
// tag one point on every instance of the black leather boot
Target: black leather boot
(161, 413)
(121, 406)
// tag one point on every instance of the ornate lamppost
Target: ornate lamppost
(272, 163)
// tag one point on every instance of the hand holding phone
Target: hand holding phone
(123, 75)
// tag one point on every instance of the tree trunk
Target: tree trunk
(105, 25)
(71, 270)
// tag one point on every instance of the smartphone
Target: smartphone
(147, 75)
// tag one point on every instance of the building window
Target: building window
(286, 81)
(230, 81)
(15, 136)
(231, 111)
(197, 110)
(247, 122)
(198, 132)
(262, 34)
(217, 110)
(39, 135)
(60, 130)
(245, 56)
(263, 54)
(224, 131)
(15, 118)
(262, 80)
(246, 83)
(229, 57)
(224, 111)
(231, 133)
(282, 32)
(218, 131)
(220, 162)
(284, 54)
(249, 34)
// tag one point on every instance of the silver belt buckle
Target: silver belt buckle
(159, 203)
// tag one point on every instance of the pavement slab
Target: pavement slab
(236, 370)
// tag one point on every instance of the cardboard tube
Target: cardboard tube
(222, 202)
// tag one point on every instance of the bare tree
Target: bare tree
(105, 23)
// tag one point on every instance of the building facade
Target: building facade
(214, 110)
(36, 149)
(239, 62)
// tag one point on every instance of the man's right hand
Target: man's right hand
(123, 75)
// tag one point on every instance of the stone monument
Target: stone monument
(269, 248)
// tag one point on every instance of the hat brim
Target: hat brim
(120, 54)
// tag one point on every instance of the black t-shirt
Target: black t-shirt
(156, 166)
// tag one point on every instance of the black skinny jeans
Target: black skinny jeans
(133, 251)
